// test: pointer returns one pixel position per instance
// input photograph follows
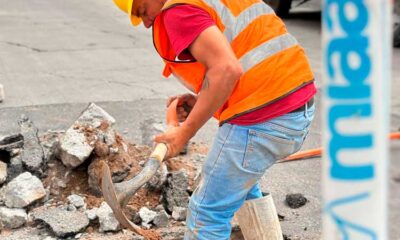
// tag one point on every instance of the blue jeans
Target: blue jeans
(239, 157)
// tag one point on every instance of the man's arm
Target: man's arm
(223, 71)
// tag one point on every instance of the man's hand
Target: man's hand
(186, 103)
(175, 138)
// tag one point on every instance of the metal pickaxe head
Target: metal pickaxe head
(118, 195)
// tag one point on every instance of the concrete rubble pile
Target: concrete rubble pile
(49, 182)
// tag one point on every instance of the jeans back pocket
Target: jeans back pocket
(264, 149)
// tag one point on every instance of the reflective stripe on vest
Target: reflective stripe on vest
(235, 25)
(267, 49)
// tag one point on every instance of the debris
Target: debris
(10, 142)
(49, 142)
(32, 153)
(161, 219)
(3, 172)
(2, 95)
(107, 220)
(91, 214)
(79, 235)
(25, 233)
(172, 233)
(23, 190)
(147, 216)
(76, 200)
(179, 213)
(295, 200)
(159, 207)
(67, 191)
(62, 222)
(15, 167)
(157, 182)
(175, 193)
(198, 158)
(120, 164)
(12, 217)
(71, 207)
(74, 149)
(78, 142)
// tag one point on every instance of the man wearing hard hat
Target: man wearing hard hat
(247, 71)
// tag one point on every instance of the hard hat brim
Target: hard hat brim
(134, 19)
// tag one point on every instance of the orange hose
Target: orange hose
(394, 135)
(316, 152)
(305, 154)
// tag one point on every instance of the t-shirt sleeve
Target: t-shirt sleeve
(183, 24)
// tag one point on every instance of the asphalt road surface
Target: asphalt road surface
(57, 56)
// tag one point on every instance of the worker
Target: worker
(245, 69)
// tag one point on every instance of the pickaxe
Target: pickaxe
(118, 195)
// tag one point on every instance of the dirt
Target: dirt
(201, 148)
(90, 132)
(63, 182)
(151, 235)
(122, 158)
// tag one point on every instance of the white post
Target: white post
(356, 100)
(2, 95)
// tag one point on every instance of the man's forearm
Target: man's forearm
(217, 87)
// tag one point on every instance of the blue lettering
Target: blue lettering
(340, 142)
(356, 88)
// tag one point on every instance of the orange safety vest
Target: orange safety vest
(274, 64)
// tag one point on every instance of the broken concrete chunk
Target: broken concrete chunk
(295, 200)
(147, 216)
(3, 172)
(175, 193)
(74, 148)
(70, 207)
(15, 167)
(95, 116)
(49, 142)
(25, 233)
(2, 94)
(76, 200)
(62, 222)
(179, 213)
(107, 220)
(32, 153)
(78, 142)
(161, 219)
(10, 142)
(157, 182)
(91, 214)
(23, 190)
(12, 217)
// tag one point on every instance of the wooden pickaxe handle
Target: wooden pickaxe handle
(161, 149)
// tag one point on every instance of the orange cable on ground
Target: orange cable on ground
(316, 152)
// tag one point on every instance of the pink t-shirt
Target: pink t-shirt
(184, 23)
